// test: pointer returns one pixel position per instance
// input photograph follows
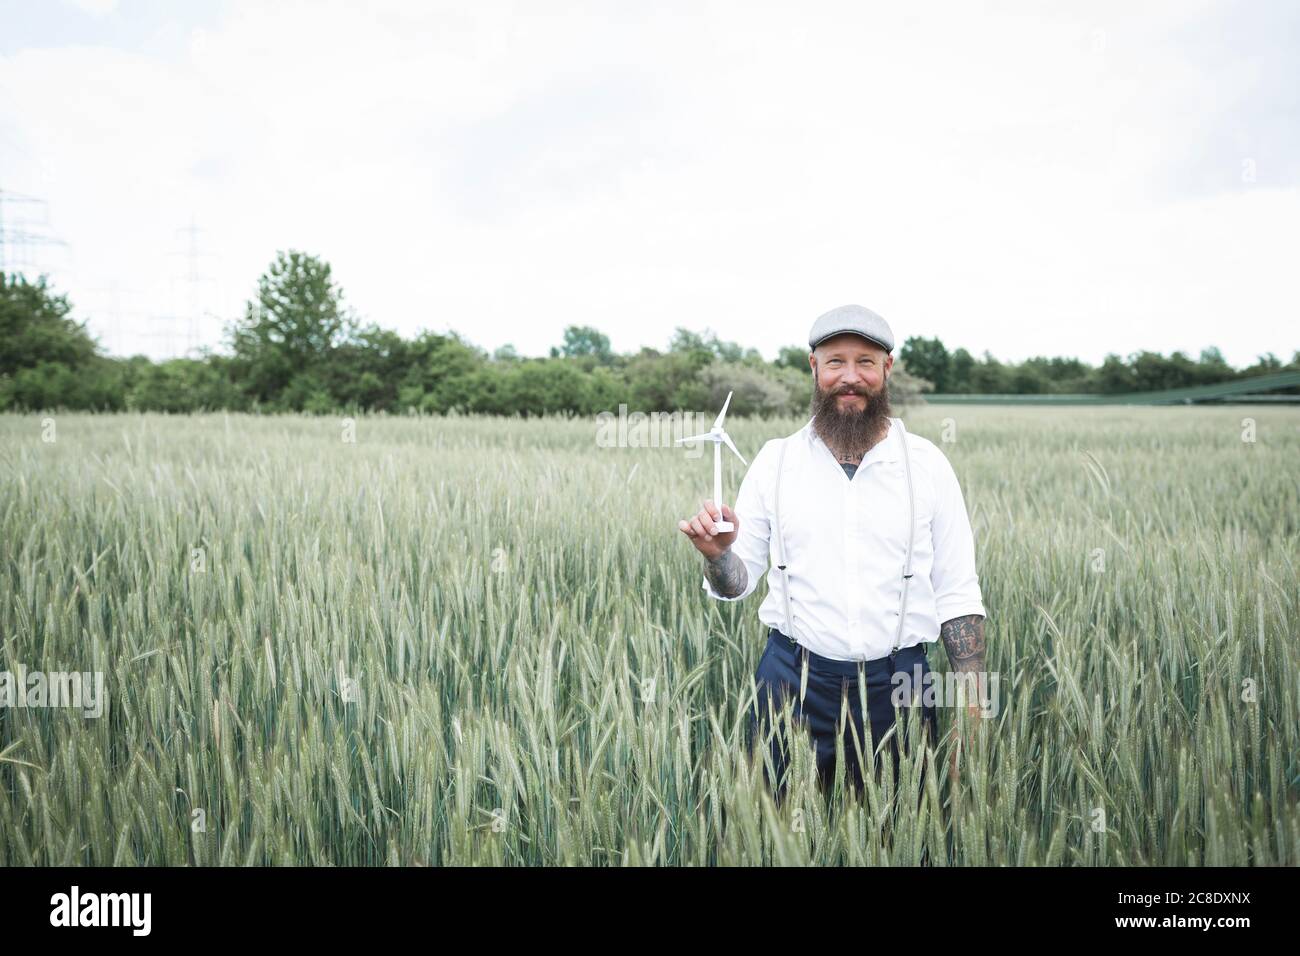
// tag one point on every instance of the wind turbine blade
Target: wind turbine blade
(722, 414)
(707, 436)
(727, 438)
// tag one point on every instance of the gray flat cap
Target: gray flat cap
(855, 319)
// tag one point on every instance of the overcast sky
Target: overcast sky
(1078, 180)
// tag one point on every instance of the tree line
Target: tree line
(958, 372)
(299, 347)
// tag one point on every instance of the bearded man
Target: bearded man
(872, 559)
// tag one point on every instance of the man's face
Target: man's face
(850, 404)
(851, 368)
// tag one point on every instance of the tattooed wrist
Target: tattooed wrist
(963, 637)
(727, 574)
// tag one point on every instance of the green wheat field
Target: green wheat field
(484, 641)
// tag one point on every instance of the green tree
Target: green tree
(1214, 367)
(795, 357)
(583, 340)
(1152, 371)
(927, 359)
(289, 332)
(442, 374)
(664, 382)
(539, 386)
(366, 372)
(48, 359)
(705, 347)
(180, 385)
(1115, 377)
(35, 327)
(1265, 364)
(1029, 378)
(989, 376)
(960, 366)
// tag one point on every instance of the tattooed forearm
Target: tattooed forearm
(964, 639)
(727, 574)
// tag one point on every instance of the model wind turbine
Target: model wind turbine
(719, 438)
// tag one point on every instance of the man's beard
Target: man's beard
(848, 430)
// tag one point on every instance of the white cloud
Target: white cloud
(1008, 182)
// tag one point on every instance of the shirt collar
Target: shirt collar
(883, 450)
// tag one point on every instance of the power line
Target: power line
(196, 298)
(17, 240)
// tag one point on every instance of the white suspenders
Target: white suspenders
(911, 534)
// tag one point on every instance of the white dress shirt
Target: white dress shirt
(846, 544)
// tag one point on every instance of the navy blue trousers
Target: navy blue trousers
(778, 676)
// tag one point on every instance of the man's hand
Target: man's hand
(704, 534)
(724, 571)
